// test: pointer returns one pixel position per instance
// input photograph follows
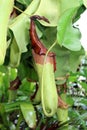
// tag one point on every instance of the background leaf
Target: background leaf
(67, 35)
(54, 9)
(51, 10)
(66, 60)
(65, 5)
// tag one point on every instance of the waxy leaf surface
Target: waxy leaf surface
(29, 114)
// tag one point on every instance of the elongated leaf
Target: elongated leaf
(4, 19)
(3, 115)
(29, 114)
(67, 35)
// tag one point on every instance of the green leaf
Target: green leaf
(69, 100)
(3, 115)
(3, 69)
(84, 86)
(65, 5)
(75, 59)
(27, 88)
(52, 9)
(73, 113)
(20, 31)
(83, 101)
(24, 2)
(67, 35)
(49, 36)
(85, 3)
(29, 114)
(12, 73)
(4, 20)
(15, 54)
(20, 26)
(25, 70)
(67, 61)
(72, 127)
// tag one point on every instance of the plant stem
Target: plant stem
(19, 121)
